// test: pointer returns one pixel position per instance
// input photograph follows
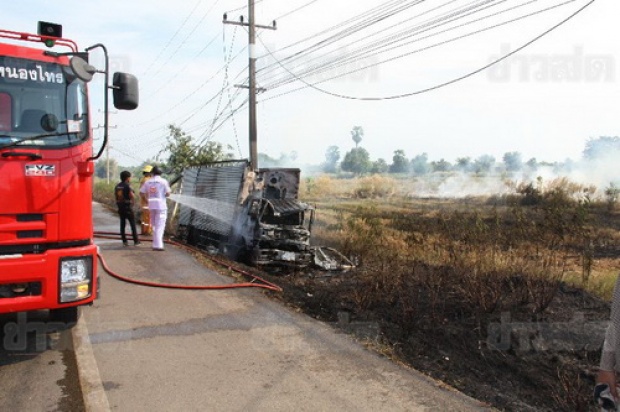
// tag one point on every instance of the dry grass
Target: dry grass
(553, 238)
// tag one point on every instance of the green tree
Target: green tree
(532, 164)
(512, 161)
(400, 163)
(419, 164)
(101, 169)
(441, 166)
(332, 156)
(463, 164)
(356, 161)
(484, 163)
(182, 152)
(601, 147)
(379, 166)
(357, 134)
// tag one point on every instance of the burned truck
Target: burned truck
(249, 216)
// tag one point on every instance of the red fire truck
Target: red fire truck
(48, 259)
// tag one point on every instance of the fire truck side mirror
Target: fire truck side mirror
(82, 69)
(125, 91)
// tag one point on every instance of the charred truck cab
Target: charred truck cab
(48, 259)
(279, 225)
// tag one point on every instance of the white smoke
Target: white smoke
(600, 173)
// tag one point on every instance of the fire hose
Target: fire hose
(256, 281)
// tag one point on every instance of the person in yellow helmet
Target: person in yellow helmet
(145, 219)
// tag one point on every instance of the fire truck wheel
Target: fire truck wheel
(68, 316)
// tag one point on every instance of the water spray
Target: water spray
(219, 210)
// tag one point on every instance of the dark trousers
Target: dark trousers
(127, 215)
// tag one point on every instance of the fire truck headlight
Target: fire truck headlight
(75, 278)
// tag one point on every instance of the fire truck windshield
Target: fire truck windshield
(41, 105)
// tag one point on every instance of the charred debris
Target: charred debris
(268, 226)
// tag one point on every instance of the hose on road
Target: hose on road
(256, 281)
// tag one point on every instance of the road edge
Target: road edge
(95, 399)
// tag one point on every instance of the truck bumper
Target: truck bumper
(33, 281)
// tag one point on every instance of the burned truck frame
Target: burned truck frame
(250, 216)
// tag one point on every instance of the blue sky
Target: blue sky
(179, 50)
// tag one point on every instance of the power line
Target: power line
(178, 72)
(185, 98)
(161, 52)
(390, 43)
(382, 43)
(351, 21)
(243, 7)
(295, 10)
(230, 99)
(184, 41)
(409, 94)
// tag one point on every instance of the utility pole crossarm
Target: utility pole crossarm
(258, 26)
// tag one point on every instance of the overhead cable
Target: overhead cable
(472, 73)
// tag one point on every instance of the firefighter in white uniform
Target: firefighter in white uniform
(155, 191)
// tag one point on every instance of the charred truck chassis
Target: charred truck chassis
(254, 217)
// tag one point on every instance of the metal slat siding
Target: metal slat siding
(220, 182)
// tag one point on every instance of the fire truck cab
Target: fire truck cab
(48, 259)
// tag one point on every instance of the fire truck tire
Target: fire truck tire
(68, 316)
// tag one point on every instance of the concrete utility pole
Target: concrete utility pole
(108, 146)
(252, 77)
(252, 83)
(107, 153)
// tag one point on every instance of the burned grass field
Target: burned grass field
(503, 297)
